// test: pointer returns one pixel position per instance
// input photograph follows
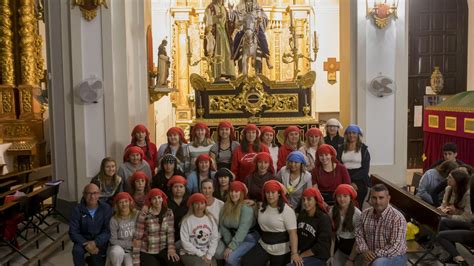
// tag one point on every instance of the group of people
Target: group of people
(447, 185)
(228, 202)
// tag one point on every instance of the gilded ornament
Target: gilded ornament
(89, 7)
(6, 101)
(6, 44)
(26, 100)
(27, 32)
(437, 80)
(18, 131)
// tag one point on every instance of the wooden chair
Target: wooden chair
(415, 182)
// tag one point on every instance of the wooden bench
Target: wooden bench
(5, 186)
(414, 208)
(21, 177)
(26, 188)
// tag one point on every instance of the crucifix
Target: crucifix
(331, 66)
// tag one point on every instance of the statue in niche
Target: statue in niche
(217, 42)
(250, 21)
(163, 65)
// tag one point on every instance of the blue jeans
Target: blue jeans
(390, 261)
(249, 242)
(310, 261)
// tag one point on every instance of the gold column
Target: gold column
(7, 103)
(6, 44)
(31, 62)
(345, 59)
(181, 68)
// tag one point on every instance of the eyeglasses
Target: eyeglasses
(91, 193)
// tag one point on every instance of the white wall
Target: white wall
(470, 46)
(161, 28)
(383, 119)
(111, 47)
(326, 23)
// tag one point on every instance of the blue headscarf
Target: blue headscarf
(353, 128)
(296, 156)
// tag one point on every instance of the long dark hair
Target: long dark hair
(244, 145)
(462, 179)
(346, 143)
(280, 204)
(179, 152)
(347, 225)
(446, 167)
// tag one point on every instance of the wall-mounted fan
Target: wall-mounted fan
(382, 86)
(90, 90)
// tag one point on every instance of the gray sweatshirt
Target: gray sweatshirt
(121, 231)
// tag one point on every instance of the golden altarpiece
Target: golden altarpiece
(278, 96)
(21, 72)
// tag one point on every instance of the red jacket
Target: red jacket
(242, 163)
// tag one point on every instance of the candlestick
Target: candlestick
(189, 45)
(291, 18)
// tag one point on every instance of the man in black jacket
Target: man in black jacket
(89, 228)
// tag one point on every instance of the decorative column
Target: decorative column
(276, 20)
(7, 103)
(180, 66)
(31, 62)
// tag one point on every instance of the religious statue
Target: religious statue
(163, 65)
(217, 42)
(250, 41)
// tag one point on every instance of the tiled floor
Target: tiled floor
(63, 257)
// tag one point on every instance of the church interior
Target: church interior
(78, 77)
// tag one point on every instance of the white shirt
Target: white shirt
(272, 221)
(215, 208)
(352, 159)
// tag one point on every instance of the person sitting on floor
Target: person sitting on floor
(89, 228)
(381, 237)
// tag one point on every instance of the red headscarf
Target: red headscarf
(131, 150)
(314, 192)
(226, 124)
(200, 125)
(290, 129)
(123, 195)
(140, 128)
(153, 193)
(314, 131)
(177, 179)
(266, 129)
(137, 176)
(346, 189)
(250, 127)
(204, 157)
(196, 197)
(239, 186)
(264, 156)
(177, 131)
(272, 186)
(326, 149)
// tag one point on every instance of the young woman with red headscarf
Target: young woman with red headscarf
(237, 225)
(141, 138)
(199, 233)
(153, 241)
(329, 172)
(221, 152)
(139, 188)
(345, 218)
(267, 138)
(133, 162)
(292, 143)
(242, 158)
(314, 229)
(313, 140)
(263, 172)
(278, 223)
(122, 227)
(176, 146)
(204, 170)
(201, 143)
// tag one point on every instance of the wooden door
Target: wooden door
(437, 37)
